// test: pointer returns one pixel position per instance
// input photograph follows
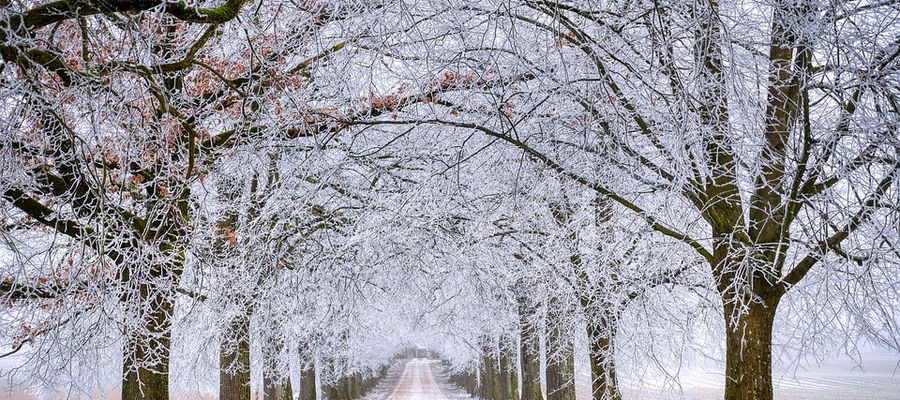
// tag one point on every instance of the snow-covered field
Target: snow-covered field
(838, 379)
(422, 379)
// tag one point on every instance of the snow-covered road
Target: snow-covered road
(417, 383)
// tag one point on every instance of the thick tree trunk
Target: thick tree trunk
(508, 375)
(277, 389)
(560, 373)
(234, 362)
(748, 353)
(488, 378)
(561, 377)
(604, 384)
(531, 367)
(352, 386)
(513, 378)
(335, 392)
(145, 366)
(308, 384)
(143, 379)
(501, 384)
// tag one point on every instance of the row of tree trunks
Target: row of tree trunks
(510, 375)
(276, 385)
(467, 381)
(277, 388)
(354, 386)
(234, 370)
(497, 377)
(489, 385)
(529, 355)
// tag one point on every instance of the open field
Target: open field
(879, 379)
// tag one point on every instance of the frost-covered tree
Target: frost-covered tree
(321, 183)
(113, 113)
(760, 135)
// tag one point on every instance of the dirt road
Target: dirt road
(417, 383)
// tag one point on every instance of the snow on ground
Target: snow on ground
(424, 379)
(840, 378)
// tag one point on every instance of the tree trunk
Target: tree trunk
(277, 389)
(308, 384)
(560, 373)
(501, 383)
(604, 384)
(143, 379)
(513, 391)
(561, 377)
(748, 352)
(471, 383)
(507, 374)
(531, 367)
(276, 383)
(234, 372)
(487, 378)
(145, 366)
(334, 391)
(352, 386)
(234, 362)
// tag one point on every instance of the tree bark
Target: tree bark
(234, 362)
(531, 367)
(145, 366)
(276, 383)
(471, 383)
(277, 389)
(334, 391)
(748, 352)
(352, 386)
(561, 377)
(513, 378)
(141, 378)
(560, 373)
(501, 384)
(604, 384)
(488, 378)
(508, 374)
(308, 384)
